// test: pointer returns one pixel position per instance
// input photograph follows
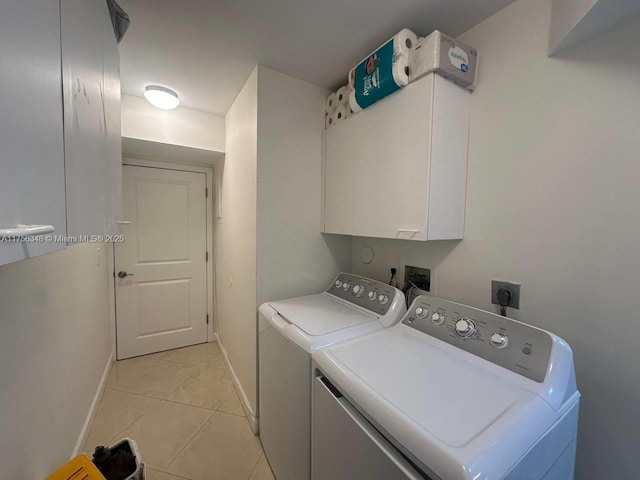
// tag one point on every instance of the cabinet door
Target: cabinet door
(85, 130)
(392, 164)
(32, 184)
(112, 115)
(338, 177)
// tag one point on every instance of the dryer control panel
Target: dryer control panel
(364, 292)
(519, 347)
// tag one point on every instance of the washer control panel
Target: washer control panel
(364, 292)
(519, 347)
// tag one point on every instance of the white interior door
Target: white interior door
(161, 266)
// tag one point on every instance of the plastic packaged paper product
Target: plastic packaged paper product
(339, 115)
(331, 102)
(337, 107)
(447, 57)
(342, 95)
(383, 72)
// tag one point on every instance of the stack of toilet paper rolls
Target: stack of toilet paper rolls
(402, 59)
(338, 106)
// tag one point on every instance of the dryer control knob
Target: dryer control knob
(437, 318)
(338, 284)
(499, 340)
(382, 298)
(358, 290)
(345, 286)
(465, 328)
(372, 295)
(421, 312)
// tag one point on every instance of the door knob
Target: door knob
(123, 274)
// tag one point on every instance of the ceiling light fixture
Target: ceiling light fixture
(161, 97)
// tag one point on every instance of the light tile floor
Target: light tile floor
(183, 412)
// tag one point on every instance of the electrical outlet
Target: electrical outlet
(515, 292)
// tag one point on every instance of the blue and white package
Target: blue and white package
(382, 72)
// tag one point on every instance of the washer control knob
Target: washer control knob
(421, 312)
(338, 284)
(345, 286)
(372, 295)
(437, 318)
(358, 290)
(382, 298)
(499, 340)
(465, 328)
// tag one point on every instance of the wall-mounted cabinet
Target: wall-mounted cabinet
(60, 151)
(399, 168)
(91, 83)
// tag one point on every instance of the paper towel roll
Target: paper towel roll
(353, 104)
(383, 72)
(331, 102)
(404, 44)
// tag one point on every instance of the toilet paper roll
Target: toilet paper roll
(384, 71)
(342, 95)
(331, 102)
(339, 115)
(328, 120)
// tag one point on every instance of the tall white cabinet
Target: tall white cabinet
(32, 177)
(91, 83)
(60, 153)
(398, 169)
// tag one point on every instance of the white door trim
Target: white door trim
(208, 171)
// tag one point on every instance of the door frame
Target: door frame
(208, 171)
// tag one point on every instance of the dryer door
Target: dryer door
(346, 447)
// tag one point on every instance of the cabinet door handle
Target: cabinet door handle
(413, 233)
(123, 222)
(24, 231)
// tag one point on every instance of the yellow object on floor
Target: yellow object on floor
(78, 468)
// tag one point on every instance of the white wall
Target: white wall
(271, 211)
(235, 240)
(54, 347)
(183, 126)
(294, 258)
(552, 202)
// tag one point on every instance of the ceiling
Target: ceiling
(206, 49)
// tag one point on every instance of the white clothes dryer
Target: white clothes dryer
(450, 393)
(289, 332)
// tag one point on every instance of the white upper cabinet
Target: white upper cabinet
(90, 68)
(32, 182)
(60, 150)
(399, 168)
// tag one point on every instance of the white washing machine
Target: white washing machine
(289, 332)
(450, 393)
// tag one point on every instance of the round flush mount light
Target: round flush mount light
(161, 97)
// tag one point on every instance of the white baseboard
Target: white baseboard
(86, 428)
(244, 400)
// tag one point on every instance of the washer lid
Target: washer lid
(320, 314)
(442, 394)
